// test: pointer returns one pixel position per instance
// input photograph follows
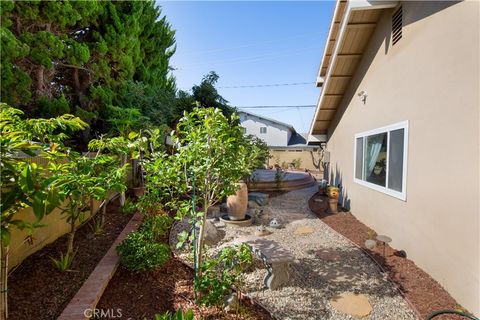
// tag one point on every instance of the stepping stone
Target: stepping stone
(302, 230)
(356, 305)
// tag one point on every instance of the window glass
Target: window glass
(375, 159)
(263, 129)
(379, 159)
(359, 159)
(395, 160)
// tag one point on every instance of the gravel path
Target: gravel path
(325, 266)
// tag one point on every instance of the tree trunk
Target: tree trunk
(40, 80)
(3, 283)
(104, 211)
(122, 194)
(71, 236)
(200, 242)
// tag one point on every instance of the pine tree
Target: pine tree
(82, 56)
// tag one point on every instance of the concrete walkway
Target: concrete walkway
(325, 267)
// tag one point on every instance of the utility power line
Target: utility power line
(263, 57)
(250, 44)
(262, 107)
(267, 85)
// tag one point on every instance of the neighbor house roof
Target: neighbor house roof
(297, 139)
(352, 25)
(289, 126)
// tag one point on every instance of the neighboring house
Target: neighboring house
(284, 143)
(400, 108)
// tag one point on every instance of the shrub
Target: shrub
(221, 273)
(139, 252)
(129, 207)
(157, 225)
(296, 163)
(179, 315)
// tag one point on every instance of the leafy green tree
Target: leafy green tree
(25, 183)
(204, 95)
(212, 148)
(79, 181)
(82, 56)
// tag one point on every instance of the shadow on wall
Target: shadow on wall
(335, 178)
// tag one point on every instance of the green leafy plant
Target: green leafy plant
(139, 252)
(212, 147)
(25, 183)
(178, 315)
(279, 177)
(222, 273)
(130, 207)
(96, 226)
(297, 163)
(263, 154)
(157, 225)
(78, 184)
(64, 262)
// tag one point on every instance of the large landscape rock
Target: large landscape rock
(260, 198)
(212, 234)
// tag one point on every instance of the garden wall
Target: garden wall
(55, 227)
(309, 159)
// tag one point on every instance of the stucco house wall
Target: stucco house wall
(430, 78)
(276, 135)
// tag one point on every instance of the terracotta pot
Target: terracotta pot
(333, 192)
(138, 192)
(237, 203)
(333, 205)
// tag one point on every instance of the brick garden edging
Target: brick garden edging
(91, 291)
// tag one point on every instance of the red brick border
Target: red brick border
(91, 291)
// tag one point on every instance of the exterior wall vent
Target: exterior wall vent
(397, 26)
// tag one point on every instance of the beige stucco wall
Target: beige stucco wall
(309, 159)
(430, 78)
(55, 226)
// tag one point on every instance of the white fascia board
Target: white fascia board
(337, 7)
(371, 4)
(317, 138)
(353, 5)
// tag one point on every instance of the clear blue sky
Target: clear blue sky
(253, 43)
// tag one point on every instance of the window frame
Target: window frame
(386, 129)
(263, 128)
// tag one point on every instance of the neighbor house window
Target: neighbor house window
(263, 129)
(244, 130)
(380, 160)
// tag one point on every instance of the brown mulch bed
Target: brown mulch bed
(424, 293)
(37, 290)
(141, 295)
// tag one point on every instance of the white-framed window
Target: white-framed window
(263, 129)
(244, 130)
(380, 159)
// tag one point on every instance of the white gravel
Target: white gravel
(315, 280)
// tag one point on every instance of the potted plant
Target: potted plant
(333, 193)
(322, 187)
(238, 202)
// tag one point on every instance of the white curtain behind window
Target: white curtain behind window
(374, 145)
